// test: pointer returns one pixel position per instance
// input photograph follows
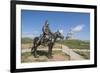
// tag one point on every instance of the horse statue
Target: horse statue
(49, 42)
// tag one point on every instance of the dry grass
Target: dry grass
(26, 46)
(27, 57)
(29, 45)
(86, 55)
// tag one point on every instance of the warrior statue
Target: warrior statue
(46, 32)
(47, 38)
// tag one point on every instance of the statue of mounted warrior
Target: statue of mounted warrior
(47, 34)
(47, 38)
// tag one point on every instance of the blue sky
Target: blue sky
(32, 22)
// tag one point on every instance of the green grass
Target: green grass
(73, 44)
(26, 40)
(76, 44)
(86, 55)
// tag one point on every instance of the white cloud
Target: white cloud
(77, 28)
(61, 31)
(30, 34)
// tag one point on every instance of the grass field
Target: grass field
(26, 40)
(73, 44)
(86, 55)
(57, 56)
(76, 44)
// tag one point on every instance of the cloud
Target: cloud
(31, 34)
(77, 28)
(36, 32)
(61, 31)
(28, 35)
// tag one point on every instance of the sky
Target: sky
(32, 22)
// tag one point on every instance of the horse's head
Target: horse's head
(59, 35)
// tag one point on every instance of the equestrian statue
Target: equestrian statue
(47, 38)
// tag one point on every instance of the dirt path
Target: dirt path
(73, 55)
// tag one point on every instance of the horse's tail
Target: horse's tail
(35, 40)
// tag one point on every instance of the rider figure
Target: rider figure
(46, 32)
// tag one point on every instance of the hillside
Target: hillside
(73, 44)
(26, 40)
(76, 44)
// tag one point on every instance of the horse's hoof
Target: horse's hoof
(36, 56)
(50, 57)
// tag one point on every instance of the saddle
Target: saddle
(45, 39)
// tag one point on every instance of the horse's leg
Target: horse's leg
(35, 52)
(32, 49)
(50, 50)
(35, 49)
